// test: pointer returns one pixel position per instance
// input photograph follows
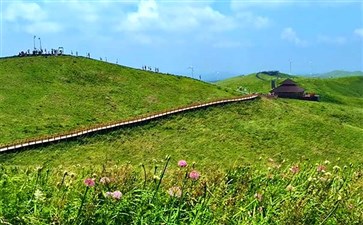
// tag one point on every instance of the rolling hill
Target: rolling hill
(344, 90)
(256, 82)
(239, 133)
(47, 95)
(339, 73)
(246, 133)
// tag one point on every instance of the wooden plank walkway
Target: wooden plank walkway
(105, 127)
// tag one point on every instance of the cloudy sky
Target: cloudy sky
(217, 38)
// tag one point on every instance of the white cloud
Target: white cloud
(249, 19)
(43, 27)
(290, 35)
(29, 11)
(29, 17)
(147, 15)
(359, 32)
(144, 21)
(175, 18)
(332, 40)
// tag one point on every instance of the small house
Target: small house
(288, 89)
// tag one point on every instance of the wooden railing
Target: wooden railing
(108, 126)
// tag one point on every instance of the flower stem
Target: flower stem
(81, 206)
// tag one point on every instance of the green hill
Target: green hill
(47, 95)
(256, 82)
(345, 90)
(280, 129)
(246, 133)
(256, 159)
(339, 73)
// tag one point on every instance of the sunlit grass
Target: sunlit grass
(221, 137)
(163, 193)
(42, 96)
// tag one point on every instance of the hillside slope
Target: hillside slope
(40, 95)
(220, 137)
(255, 82)
(339, 73)
(345, 90)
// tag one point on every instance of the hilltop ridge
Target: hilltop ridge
(338, 73)
(44, 95)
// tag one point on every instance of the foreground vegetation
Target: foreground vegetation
(171, 192)
(47, 95)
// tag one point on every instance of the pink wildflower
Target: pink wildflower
(182, 163)
(321, 168)
(105, 180)
(89, 182)
(194, 175)
(116, 195)
(295, 169)
(175, 192)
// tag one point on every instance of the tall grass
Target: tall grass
(164, 193)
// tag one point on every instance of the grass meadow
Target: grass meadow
(171, 192)
(246, 133)
(267, 161)
(48, 95)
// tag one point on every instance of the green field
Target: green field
(234, 134)
(266, 161)
(42, 96)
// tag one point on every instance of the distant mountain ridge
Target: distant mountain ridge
(338, 73)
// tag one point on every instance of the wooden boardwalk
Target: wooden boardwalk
(110, 126)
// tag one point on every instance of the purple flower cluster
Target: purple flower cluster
(115, 195)
(194, 175)
(182, 163)
(89, 182)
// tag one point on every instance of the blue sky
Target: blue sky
(217, 38)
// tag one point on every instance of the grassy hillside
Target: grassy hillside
(248, 163)
(251, 83)
(40, 95)
(346, 90)
(220, 137)
(339, 73)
